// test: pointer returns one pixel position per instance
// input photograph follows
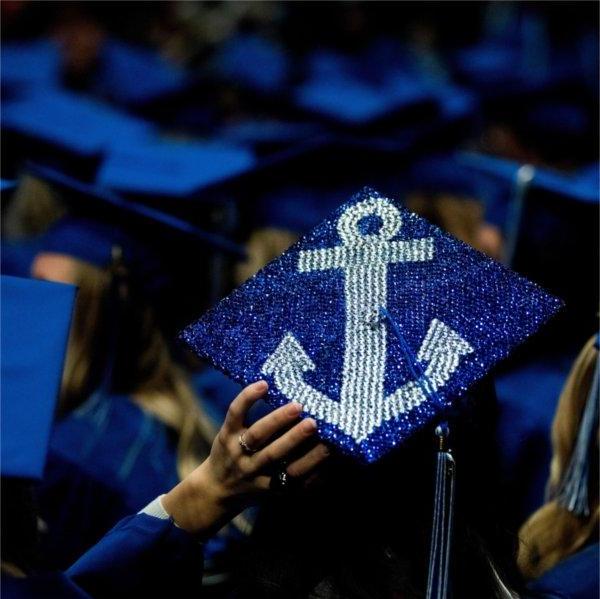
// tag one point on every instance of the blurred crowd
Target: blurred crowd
(157, 154)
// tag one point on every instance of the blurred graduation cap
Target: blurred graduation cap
(551, 231)
(99, 219)
(134, 75)
(167, 168)
(108, 207)
(48, 122)
(253, 62)
(268, 134)
(7, 185)
(36, 317)
(355, 102)
(30, 63)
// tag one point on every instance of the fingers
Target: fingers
(234, 419)
(279, 448)
(308, 461)
(262, 430)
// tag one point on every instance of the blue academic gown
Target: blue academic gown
(576, 577)
(106, 460)
(142, 556)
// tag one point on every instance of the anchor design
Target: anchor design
(364, 259)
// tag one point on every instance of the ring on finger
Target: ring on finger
(245, 447)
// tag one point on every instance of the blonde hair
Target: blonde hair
(151, 378)
(264, 245)
(552, 533)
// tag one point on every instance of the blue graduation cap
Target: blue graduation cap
(7, 185)
(92, 229)
(71, 122)
(353, 101)
(164, 168)
(135, 75)
(36, 317)
(551, 227)
(253, 62)
(25, 64)
(268, 132)
(579, 187)
(376, 322)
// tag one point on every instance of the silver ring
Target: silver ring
(245, 447)
(280, 481)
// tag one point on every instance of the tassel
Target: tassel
(573, 491)
(438, 582)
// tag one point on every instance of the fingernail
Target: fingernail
(260, 384)
(309, 425)
(294, 409)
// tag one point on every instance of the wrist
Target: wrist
(198, 503)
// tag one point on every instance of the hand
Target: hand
(230, 479)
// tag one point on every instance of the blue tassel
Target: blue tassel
(573, 491)
(438, 579)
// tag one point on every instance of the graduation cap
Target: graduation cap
(134, 75)
(166, 168)
(376, 322)
(356, 102)
(110, 208)
(36, 317)
(55, 120)
(99, 220)
(551, 229)
(7, 185)
(253, 62)
(29, 63)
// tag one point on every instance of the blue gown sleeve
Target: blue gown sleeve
(141, 556)
(576, 577)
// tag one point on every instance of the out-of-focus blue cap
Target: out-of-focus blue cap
(261, 132)
(30, 63)
(71, 122)
(134, 75)
(35, 317)
(353, 101)
(164, 168)
(577, 187)
(7, 185)
(253, 62)
(101, 219)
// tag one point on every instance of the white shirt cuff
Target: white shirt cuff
(155, 508)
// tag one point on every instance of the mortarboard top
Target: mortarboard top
(134, 75)
(253, 62)
(7, 185)
(355, 102)
(268, 133)
(36, 317)
(167, 168)
(571, 187)
(70, 122)
(111, 210)
(25, 64)
(551, 228)
(99, 219)
(376, 322)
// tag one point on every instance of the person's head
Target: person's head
(364, 531)
(116, 346)
(552, 533)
